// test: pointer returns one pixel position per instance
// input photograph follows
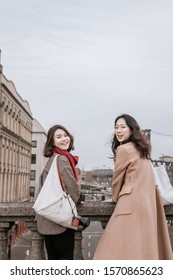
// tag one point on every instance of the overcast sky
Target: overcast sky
(82, 63)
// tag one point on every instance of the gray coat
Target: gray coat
(44, 225)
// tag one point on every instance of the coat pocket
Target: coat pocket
(124, 203)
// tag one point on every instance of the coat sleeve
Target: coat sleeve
(68, 178)
(121, 164)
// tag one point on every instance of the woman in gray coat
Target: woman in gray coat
(59, 240)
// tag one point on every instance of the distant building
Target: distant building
(98, 176)
(168, 162)
(38, 161)
(15, 143)
(166, 158)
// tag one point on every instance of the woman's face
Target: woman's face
(61, 139)
(122, 131)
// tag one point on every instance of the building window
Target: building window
(33, 158)
(34, 144)
(32, 191)
(32, 175)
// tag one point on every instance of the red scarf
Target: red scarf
(72, 159)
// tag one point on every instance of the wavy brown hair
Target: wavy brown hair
(139, 139)
(49, 146)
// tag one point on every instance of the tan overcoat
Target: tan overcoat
(137, 229)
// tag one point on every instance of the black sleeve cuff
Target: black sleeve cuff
(81, 198)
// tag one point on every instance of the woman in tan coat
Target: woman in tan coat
(59, 240)
(137, 228)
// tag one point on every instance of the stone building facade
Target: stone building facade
(15, 143)
(38, 161)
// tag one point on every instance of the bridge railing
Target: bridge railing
(22, 211)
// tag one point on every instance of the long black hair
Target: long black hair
(49, 145)
(139, 139)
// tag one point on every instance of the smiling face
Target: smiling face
(122, 131)
(61, 139)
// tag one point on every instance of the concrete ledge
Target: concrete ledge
(89, 209)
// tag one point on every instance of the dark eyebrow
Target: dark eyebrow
(120, 124)
(61, 134)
